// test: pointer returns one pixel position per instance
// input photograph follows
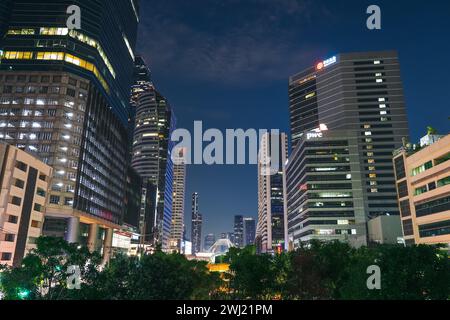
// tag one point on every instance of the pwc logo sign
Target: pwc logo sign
(323, 64)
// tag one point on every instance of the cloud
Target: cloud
(234, 41)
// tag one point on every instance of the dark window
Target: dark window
(400, 168)
(405, 208)
(21, 166)
(16, 201)
(13, 219)
(42, 177)
(40, 192)
(408, 227)
(431, 186)
(37, 207)
(434, 229)
(19, 183)
(6, 256)
(402, 189)
(71, 92)
(432, 207)
(9, 237)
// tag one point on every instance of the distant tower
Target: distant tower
(249, 231)
(210, 239)
(196, 237)
(272, 211)
(154, 123)
(239, 231)
(179, 187)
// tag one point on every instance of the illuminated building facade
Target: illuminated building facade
(423, 186)
(65, 98)
(325, 191)
(271, 231)
(178, 202)
(239, 231)
(360, 92)
(249, 231)
(154, 123)
(197, 220)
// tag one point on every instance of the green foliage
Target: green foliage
(331, 270)
(157, 277)
(43, 274)
(255, 276)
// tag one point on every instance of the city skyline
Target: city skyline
(224, 150)
(228, 96)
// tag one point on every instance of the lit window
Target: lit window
(377, 62)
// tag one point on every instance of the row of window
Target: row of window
(57, 56)
(432, 185)
(9, 78)
(429, 164)
(433, 207)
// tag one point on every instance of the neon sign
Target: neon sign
(326, 63)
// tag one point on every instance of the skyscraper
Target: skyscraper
(325, 191)
(239, 231)
(65, 99)
(249, 231)
(179, 188)
(154, 122)
(5, 10)
(271, 233)
(210, 239)
(196, 236)
(360, 92)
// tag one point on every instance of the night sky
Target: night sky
(227, 63)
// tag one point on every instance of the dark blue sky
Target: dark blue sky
(227, 63)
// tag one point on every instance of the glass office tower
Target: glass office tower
(65, 99)
(360, 92)
(154, 124)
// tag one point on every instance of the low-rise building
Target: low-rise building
(24, 183)
(423, 187)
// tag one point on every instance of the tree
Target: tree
(255, 276)
(43, 273)
(158, 276)
(318, 270)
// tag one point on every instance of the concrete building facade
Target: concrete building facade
(24, 183)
